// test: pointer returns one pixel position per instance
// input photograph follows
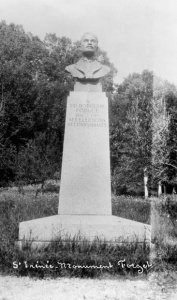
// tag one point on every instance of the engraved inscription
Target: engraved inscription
(87, 115)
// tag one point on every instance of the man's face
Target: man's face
(89, 44)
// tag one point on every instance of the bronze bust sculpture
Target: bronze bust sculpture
(88, 71)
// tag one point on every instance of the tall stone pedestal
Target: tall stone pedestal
(85, 192)
(85, 178)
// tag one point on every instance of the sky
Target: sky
(136, 34)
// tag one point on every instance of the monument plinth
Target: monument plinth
(85, 191)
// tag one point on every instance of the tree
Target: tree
(160, 128)
(171, 164)
(131, 133)
(164, 133)
(17, 93)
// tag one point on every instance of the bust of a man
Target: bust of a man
(88, 71)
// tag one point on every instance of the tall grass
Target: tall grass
(164, 233)
(132, 208)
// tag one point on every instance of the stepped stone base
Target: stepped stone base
(111, 229)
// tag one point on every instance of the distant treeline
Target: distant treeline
(33, 91)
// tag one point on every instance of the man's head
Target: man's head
(89, 44)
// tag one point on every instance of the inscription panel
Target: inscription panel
(87, 115)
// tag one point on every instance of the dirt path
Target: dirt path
(90, 289)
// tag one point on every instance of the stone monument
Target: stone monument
(85, 191)
(85, 179)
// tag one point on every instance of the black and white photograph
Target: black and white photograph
(88, 149)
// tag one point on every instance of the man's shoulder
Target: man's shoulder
(106, 68)
(102, 71)
(72, 69)
(73, 66)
